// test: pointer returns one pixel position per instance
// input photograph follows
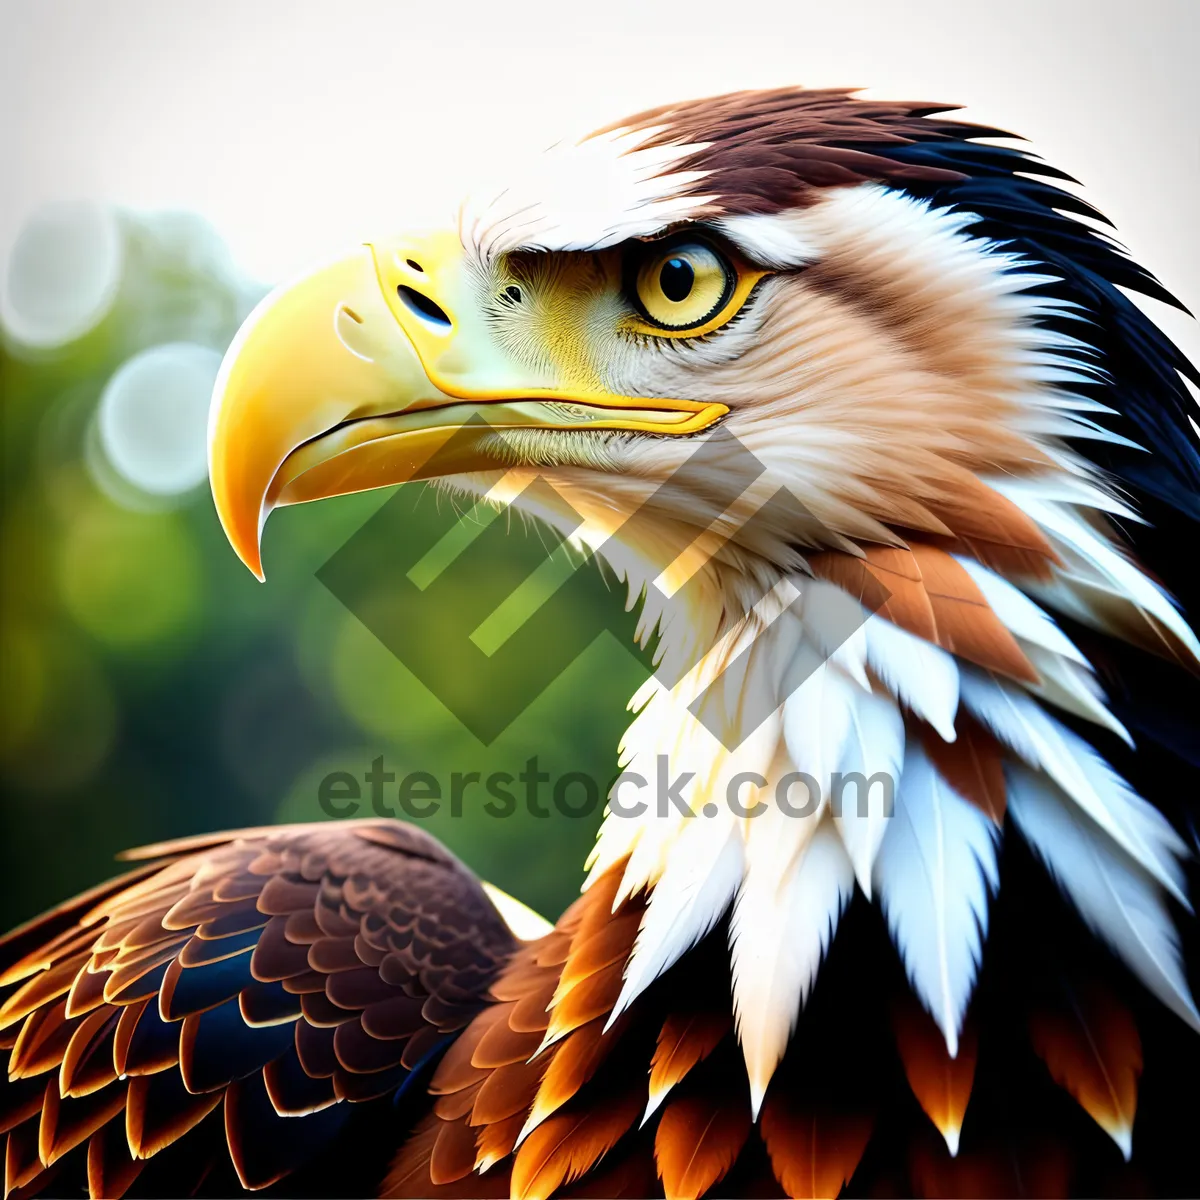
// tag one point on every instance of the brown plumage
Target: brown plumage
(773, 150)
(571, 1142)
(581, 1096)
(275, 972)
(973, 765)
(941, 1084)
(686, 1038)
(814, 1149)
(699, 1138)
(923, 590)
(1089, 1042)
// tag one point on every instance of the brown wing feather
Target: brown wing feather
(1032, 1170)
(409, 1173)
(685, 1039)
(814, 1149)
(591, 998)
(568, 1144)
(572, 1064)
(66, 1123)
(941, 1084)
(596, 951)
(453, 1156)
(32, 946)
(973, 765)
(508, 1090)
(111, 1170)
(699, 1136)
(1091, 1047)
(501, 1077)
(136, 1010)
(924, 590)
(991, 528)
(21, 1161)
(87, 1063)
(160, 1110)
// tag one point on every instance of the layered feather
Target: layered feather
(934, 874)
(1117, 897)
(772, 976)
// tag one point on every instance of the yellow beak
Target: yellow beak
(377, 370)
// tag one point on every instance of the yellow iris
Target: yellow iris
(681, 286)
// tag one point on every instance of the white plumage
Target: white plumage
(1078, 770)
(772, 974)
(933, 874)
(1096, 579)
(696, 888)
(922, 676)
(874, 746)
(1116, 898)
(1024, 619)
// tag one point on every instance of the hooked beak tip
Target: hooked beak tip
(251, 555)
(245, 540)
(252, 560)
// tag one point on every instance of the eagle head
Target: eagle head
(793, 345)
(774, 264)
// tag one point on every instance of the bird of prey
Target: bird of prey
(958, 559)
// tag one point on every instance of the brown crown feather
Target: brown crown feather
(765, 151)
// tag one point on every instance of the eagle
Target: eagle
(854, 400)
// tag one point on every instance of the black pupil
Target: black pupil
(676, 279)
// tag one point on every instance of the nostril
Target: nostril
(412, 264)
(415, 302)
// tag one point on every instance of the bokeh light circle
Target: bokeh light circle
(153, 417)
(62, 274)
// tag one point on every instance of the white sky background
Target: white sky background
(300, 126)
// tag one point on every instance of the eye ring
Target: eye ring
(678, 284)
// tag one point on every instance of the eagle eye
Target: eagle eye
(681, 285)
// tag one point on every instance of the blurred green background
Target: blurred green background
(150, 686)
